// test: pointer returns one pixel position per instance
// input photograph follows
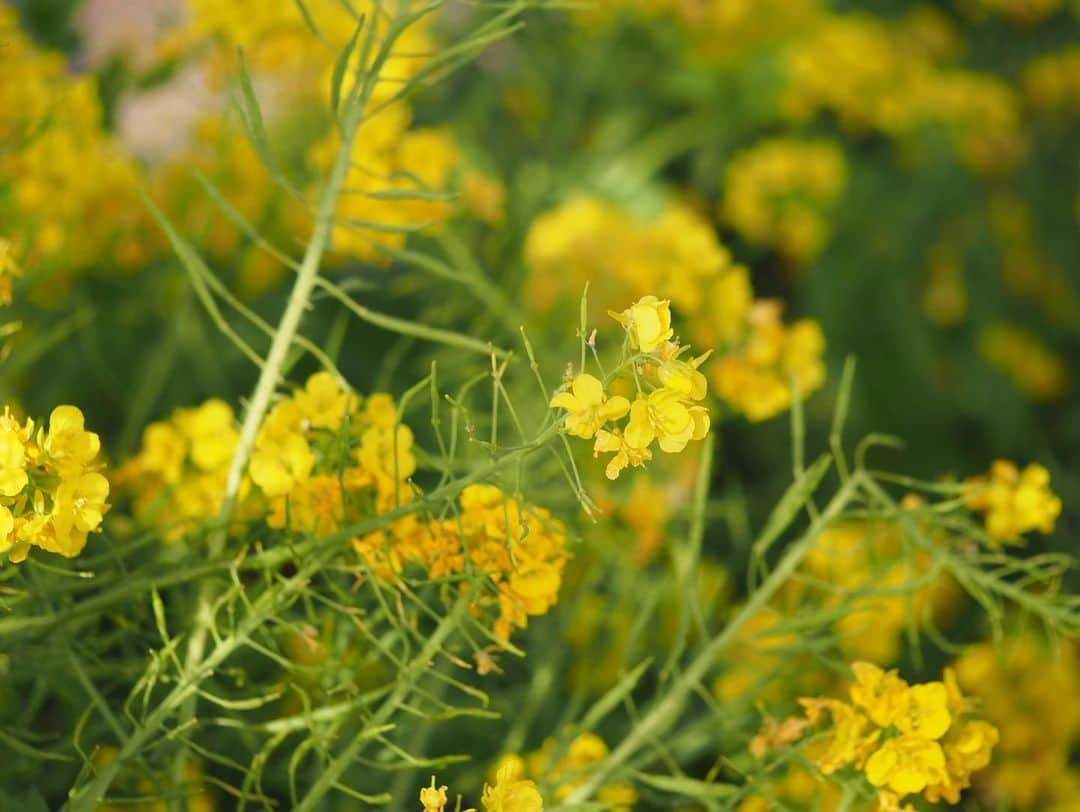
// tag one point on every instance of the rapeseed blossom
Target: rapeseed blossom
(1014, 501)
(906, 739)
(778, 193)
(1028, 691)
(52, 494)
(665, 409)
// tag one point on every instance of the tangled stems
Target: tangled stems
(268, 380)
(665, 713)
(316, 554)
(405, 682)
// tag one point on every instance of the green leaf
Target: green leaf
(254, 123)
(341, 65)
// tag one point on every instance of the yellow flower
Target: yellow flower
(967, 750)
(78, 509)
(879, 693)
(71, 447)
(648, 322)
(923, 711)
(683, 377)
(434, 799)
(322, 402)
(906, 764)
(662, 415)
(7, 528)
(625, 453)
(849, 739)
(511, 795)
(277, 466)
(1015, 502)
(13, 476)
(588, 408)
(211, 430)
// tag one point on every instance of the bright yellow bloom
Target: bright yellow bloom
(77, 510)
(664, 416)
(589, 409)
(648, 323)
(322, 402)
(13, 477)
(279, 465)
(511, 795)
(433, 798)
(967, 750)
(923, 711)
(850, 737)
(879, 693)
(1015, 502)
(625, 453)
(7, 529)
(211, 431)
(68, 443)
(906, 764)
(683, 377)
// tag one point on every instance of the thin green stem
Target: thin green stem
(664, 713)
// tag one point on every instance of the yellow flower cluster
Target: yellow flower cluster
(906, 739)
(1014, 501)
(569, 770)
(51, 494)
(9, 270)
(178, 477)
(1052, 82)
(756, 379)
(872, 77)
(1032, 694)
(509, 793)
(67, 184)
(668, 412)
(778, 193)
(587, 240)
(519, 547)
(324, 459)
(1031, 366)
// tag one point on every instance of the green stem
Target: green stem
(306, 278)
(664, 713)
(405, 683)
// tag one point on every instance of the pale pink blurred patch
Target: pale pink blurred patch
(127, 28)
(158, 123)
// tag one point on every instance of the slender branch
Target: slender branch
(663, 714)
